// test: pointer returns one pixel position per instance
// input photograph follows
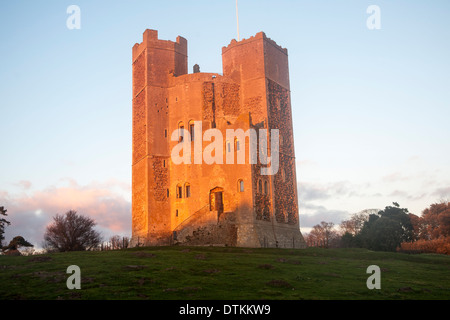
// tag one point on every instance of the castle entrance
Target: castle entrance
(216, 200)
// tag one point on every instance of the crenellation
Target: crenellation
(259, 35)
(150, 40)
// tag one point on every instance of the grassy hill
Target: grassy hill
(226, 273)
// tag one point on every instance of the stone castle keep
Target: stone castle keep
(211, 204)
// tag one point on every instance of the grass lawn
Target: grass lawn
(191, 273)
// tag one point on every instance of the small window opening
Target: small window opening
(188, 191)
(241, 185)
(191, 131)
(181, 133)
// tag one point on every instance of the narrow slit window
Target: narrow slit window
(191, 131)
(241, 185)
(181, 133)
(187, 190)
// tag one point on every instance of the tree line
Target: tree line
(390, 229)
(68, 232)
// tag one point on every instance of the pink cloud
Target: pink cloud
(394, 177)
(24, 184)
(30, 213)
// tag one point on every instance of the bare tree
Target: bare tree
(322, 235)
(71, 232)
(116, 242)
(3, 224)
(125, 242)
(356, 222)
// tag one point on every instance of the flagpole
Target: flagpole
(237, 19)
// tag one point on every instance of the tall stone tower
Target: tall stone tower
(153, 61)
(211, 203)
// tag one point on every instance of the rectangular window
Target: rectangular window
(188, 191)
(181, 134)
(179, 192)
(191, 131)
(165, 133)
(176, 213)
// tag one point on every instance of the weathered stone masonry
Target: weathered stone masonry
(216, 204)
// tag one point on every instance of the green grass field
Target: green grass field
(190, 273)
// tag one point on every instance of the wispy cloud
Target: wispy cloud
(24, 184)
(310, 215)
(442, 193)
(398, 193)
(394, 177)
(315, 191)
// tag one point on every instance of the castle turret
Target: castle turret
(260, 66)
(154, 61)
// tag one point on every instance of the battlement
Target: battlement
(259, 36)
(150, 40)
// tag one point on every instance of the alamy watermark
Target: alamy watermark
(74, 20)
(190, 151)
(74, 281)
(374, 281)
(373, 22)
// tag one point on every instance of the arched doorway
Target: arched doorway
(216, 200)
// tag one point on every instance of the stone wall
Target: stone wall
(161, 178)
(253, 89)
(280, 117)
(206, 227)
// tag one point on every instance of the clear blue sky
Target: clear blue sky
(371, 108)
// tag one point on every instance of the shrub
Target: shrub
(441, 246)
